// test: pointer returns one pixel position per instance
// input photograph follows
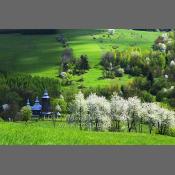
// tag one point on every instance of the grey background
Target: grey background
(40, 14)
(86, 13)
(88, 160)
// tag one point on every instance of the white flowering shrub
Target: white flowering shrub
(162, 47)
(118, 110)
(63, 74)
(96, 112)
(172, 63)
(159, 117)
(150, 114)
(166, 76)
(99, 110)
(165, 37)
(165, 120)
(79, 109)
(58, 108)
(133, 112)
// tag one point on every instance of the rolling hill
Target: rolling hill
(38, 54)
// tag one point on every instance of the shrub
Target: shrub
(119, 72)
(171, 132)
(1, 120)
(26, 113)
(147, 97)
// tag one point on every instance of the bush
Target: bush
(119, 72)
(171, 132)
(147, 97)
(26, 113)
(1, 120)
(18, 116)
(81, 65)
(61, 102)
(172, 102)
(161, 95)
(158, 85)
(103, 91)
(136, 71)
(108, 74)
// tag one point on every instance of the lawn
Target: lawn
(39, 54)
(43, 133)
(93, 78)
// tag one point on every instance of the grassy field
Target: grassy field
(43, 133)
(39, 54)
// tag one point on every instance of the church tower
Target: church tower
(36, 108)
(46, 103)
(28, 103)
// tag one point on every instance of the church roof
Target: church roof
(36, 106)
(45, 94)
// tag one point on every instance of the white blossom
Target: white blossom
(172, 87)
(165, 89)
(118, 108)
(147, 60)
(58, 108)
(99, 110)
(165, 37)
(172, 63)
(79, 108)
(162, 47)
(63, 74)
(134, 107)
(166, 76)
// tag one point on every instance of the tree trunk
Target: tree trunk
(128, 125)
(140, 125)
(96, 125)
(118, 125)
(80, 125)
(80, 119)
(131, 126)
(150, 128)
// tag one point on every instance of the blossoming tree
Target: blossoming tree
(99, 110)
(79, 109)
(118, 110)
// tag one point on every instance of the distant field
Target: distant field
(39, 54)
(43, 133)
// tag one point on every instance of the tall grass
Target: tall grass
(43, 133)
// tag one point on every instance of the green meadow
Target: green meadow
(38, 55)
(43, 133)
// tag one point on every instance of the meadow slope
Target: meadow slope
(39, 54)
(43, 133)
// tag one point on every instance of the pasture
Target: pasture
(43, 133)
(38, 55)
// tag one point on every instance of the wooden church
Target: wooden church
(43, 109)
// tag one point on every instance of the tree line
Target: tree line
(98, 113)
(16, 88)
(154, 70)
